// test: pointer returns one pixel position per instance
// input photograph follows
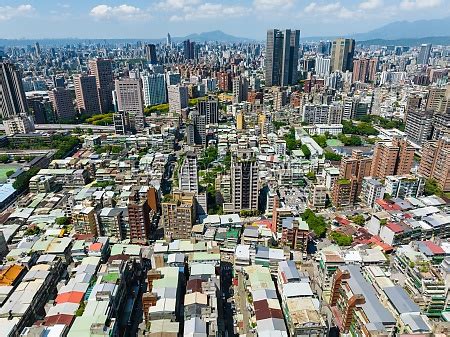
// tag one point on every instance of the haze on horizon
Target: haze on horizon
(248, 18)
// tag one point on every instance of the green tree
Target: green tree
(4, 158)
(22, 181)
(291, 143)
(432, 188)
(9, 173)
(332, 156)
(358, 219)
(341, 239)
(62, 221)
(306, 151)
(316, 223)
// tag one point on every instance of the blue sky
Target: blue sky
(246, 18)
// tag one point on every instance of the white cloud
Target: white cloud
(370, 4)
(8, 12)
(121, 12)
(183, 5)
(419, 4)
(335, 9)
(272, 4)
(210, 11)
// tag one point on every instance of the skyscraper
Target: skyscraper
(169, 40)
(62, 103)
(130, 100)
(188, 177)
(209, 109)
(86, 94)
(240, 89)
(281, 58)
(102, 70)
(342, 53)
(360, 70)
(435, 162)
(178, 98)
(154, 87)
(150, 54)
(390, 158)
(189, 50)
(12, 95)
(424, 54)
(244, 180)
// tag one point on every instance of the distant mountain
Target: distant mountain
(435, 40)
(408, 30)
(216, 35)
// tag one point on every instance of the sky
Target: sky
(244, 18)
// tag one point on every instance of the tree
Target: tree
(9, 173)
(432, 188)
(306, 151)
(4, 158)
(341, 239)
(22, 181)
(321, 140)
(358, 219)
(316, 223)
(62, 221)
(291, 143)
(332, 156)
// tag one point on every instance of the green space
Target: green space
(101, 119)
(159, 108)
(316, 223)
(4, 169)
(341, 239)
(334, 142)
(291, 143)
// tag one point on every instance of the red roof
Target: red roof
(59, 319)
(71, 297)
(86, 237)
(235, 281)
(435, 249)
(96, 247)
(377, 241)
(396, 228)
(342, 221)
(388, 206)
(262, 310)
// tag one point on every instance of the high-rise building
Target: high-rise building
(436, 99)
(188, 175)
(130, 100)
(154, 87)
(199, 122)
(173, 78)
(240, 89)
(360, 70)
(178, 215)
(394, 157)
(424, 54)
(347, 188)
(102, 70)
(189, 50)
(342, 55)
(322, 65)
(62, 103)
(178, 98)
(12, 95)
(435, 162)
(209, 109)
(244, 180)
(419, 126)
(150, 54)
(224, 81)
(373, 67)
(281, 58)
(86, 94)
(169, 40)
(138, 217)
(121, 123)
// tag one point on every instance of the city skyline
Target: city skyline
(152, 19)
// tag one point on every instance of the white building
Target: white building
(19, 124)
(404, 186)
(178, 98)
(371, 191)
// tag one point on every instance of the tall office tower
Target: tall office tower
(240, 89)
(121, 123)
(244, 180)
(154, 87)
(173, 78)
(373, 67)
(178, 98)
(424, 54)
(324, 47)
(322, 66)
(138, 217)
(189, 50)
(209, 109)
(131, 101)
(178, 215)
(102, 70)
(347, 188)
(188, 175)
(436, 98)
(435, 162)
(413, 103)
(419, 126)
(360, 70)
(342, 54)
(224, 81)
(392, 158)
(13, 101)
(37, 49)
(86, 94)
(199, 122)
(62, 103)
(281, 58)
(169, 40)
(150, 54)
